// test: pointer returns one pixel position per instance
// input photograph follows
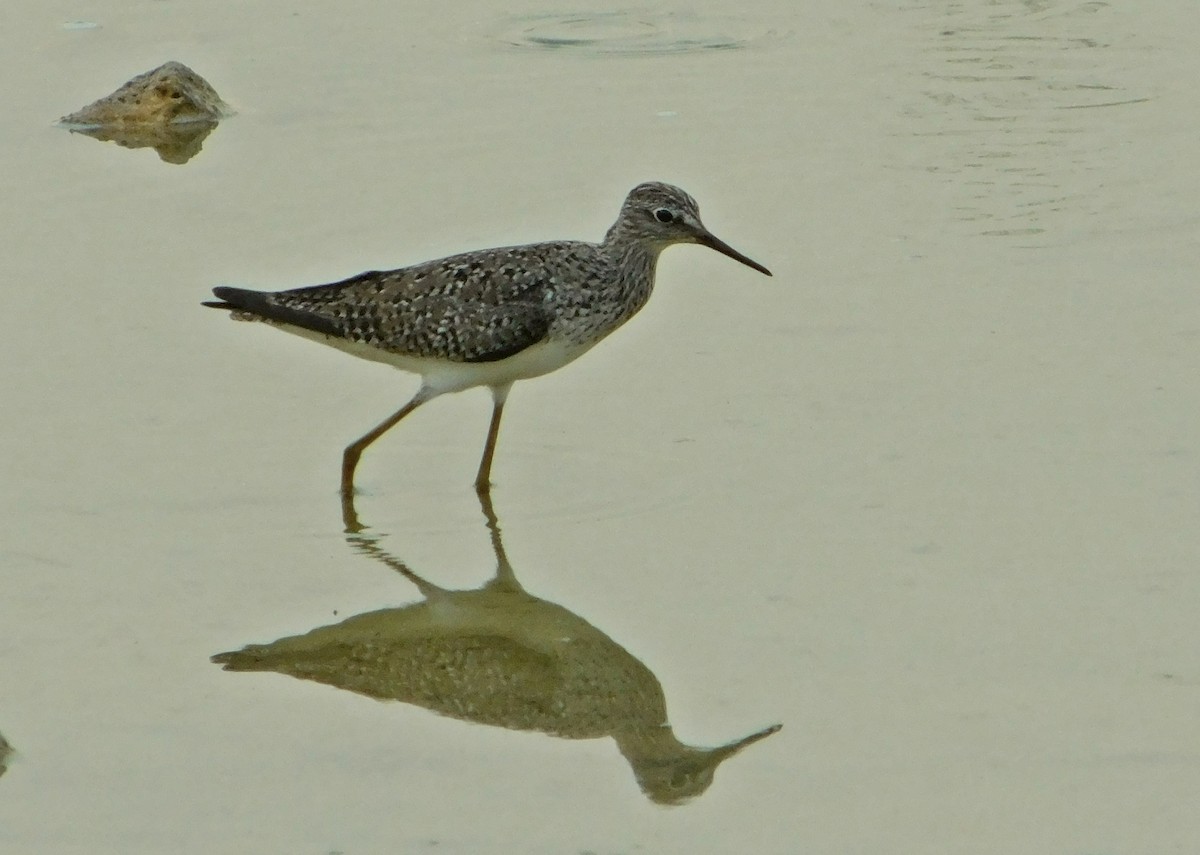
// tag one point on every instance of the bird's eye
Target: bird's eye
(664, 216)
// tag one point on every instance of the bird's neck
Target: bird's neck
(635, 262)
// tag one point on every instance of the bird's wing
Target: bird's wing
(426, 326)
(455, 330)
(475, 307)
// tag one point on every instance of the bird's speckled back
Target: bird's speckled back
(487, 305)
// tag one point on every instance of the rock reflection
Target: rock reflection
(174, 143)
(503, 657)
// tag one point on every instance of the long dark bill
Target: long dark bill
(713, 242)
(734, 747)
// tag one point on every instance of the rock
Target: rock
(170, 109)
(5, 751)
(170, 94)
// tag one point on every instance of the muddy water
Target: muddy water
(926, 497)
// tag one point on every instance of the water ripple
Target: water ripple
(1012, 102)
(626, 33)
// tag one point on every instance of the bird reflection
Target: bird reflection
(502, 657)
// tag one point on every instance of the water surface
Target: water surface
(927, 497)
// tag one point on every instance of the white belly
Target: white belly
(444, 376)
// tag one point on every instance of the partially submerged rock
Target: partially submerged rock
(170, 93)
(5, 751)
(171, 109)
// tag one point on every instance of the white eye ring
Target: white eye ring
(664, 216)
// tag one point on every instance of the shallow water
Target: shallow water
(927, 497)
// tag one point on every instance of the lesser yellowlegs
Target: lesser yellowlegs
(490, 317)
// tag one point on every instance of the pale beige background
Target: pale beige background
(928, 496)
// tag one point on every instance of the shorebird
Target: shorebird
(489, 317)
